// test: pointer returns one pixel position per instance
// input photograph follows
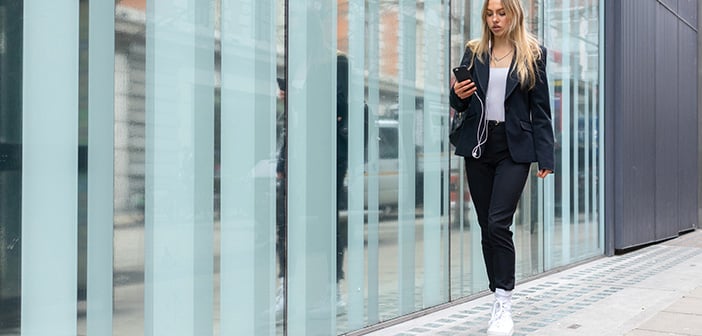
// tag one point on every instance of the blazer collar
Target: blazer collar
(482, 71)
(512, 79)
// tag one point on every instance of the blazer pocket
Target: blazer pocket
(526, 126)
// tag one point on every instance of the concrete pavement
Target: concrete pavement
(653, 291)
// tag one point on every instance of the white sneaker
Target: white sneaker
(501, 323)
(280, 299)
(340, 303)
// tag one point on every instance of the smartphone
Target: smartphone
(461, 73)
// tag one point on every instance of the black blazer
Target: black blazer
(527, 114)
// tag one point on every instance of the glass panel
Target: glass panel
(431, 160)
(313, 170)
(353, 12)
(129, 167)
(405, 166)
(373, 158)
(11, 37)
(528, 220)
(467, 268)
(179, 167)
(574, 39)
(49, 168)
(407, 154)
(248, 168)
(100, 202)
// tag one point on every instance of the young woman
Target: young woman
(507, 127)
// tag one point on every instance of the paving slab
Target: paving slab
(653, 291)
(677, 323)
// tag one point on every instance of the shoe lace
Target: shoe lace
(497, 310)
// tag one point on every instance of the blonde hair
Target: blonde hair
(527, 49)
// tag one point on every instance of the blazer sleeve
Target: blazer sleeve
(540, 106)
(457, 103)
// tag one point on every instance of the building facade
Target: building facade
(215, 167)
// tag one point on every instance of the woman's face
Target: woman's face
(497, 18)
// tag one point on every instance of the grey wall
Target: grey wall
(651, 121)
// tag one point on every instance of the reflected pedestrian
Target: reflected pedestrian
(507, 126)
(342, 159)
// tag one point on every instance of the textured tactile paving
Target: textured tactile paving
(540, 304)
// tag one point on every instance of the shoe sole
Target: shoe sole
(510, 333)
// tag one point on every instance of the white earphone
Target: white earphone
(482, 132)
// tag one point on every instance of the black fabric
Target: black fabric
(496, 183)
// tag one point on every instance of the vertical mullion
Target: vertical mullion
(575, 246)
(373, 157)
(566, 129)
(549, 206)
(50, 167)
(587, 215)
(434, 79)
(600, 205)
(100, 166)
(202, 117)
(407, 155)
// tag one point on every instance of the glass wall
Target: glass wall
(573, 37)
(263, 167)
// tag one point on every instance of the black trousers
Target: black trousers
(342, 233)
(496, 183)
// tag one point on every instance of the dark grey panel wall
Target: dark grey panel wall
(666, 114)
(688, 129)
(687, 9)
(651, 120)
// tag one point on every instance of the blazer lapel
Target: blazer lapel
(482, 71)
(512, 80)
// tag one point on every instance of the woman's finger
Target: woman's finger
(464, 89)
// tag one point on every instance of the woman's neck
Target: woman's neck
(501, 44)
(501, 53)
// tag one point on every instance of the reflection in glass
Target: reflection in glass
(165, 172)
(11, 36)
(179, 164)
(129, 168)
(573, 41)
(247, 266)
(400, 158)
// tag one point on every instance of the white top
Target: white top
(495, 102)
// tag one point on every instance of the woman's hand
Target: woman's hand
(542, 173)
(464, 89)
